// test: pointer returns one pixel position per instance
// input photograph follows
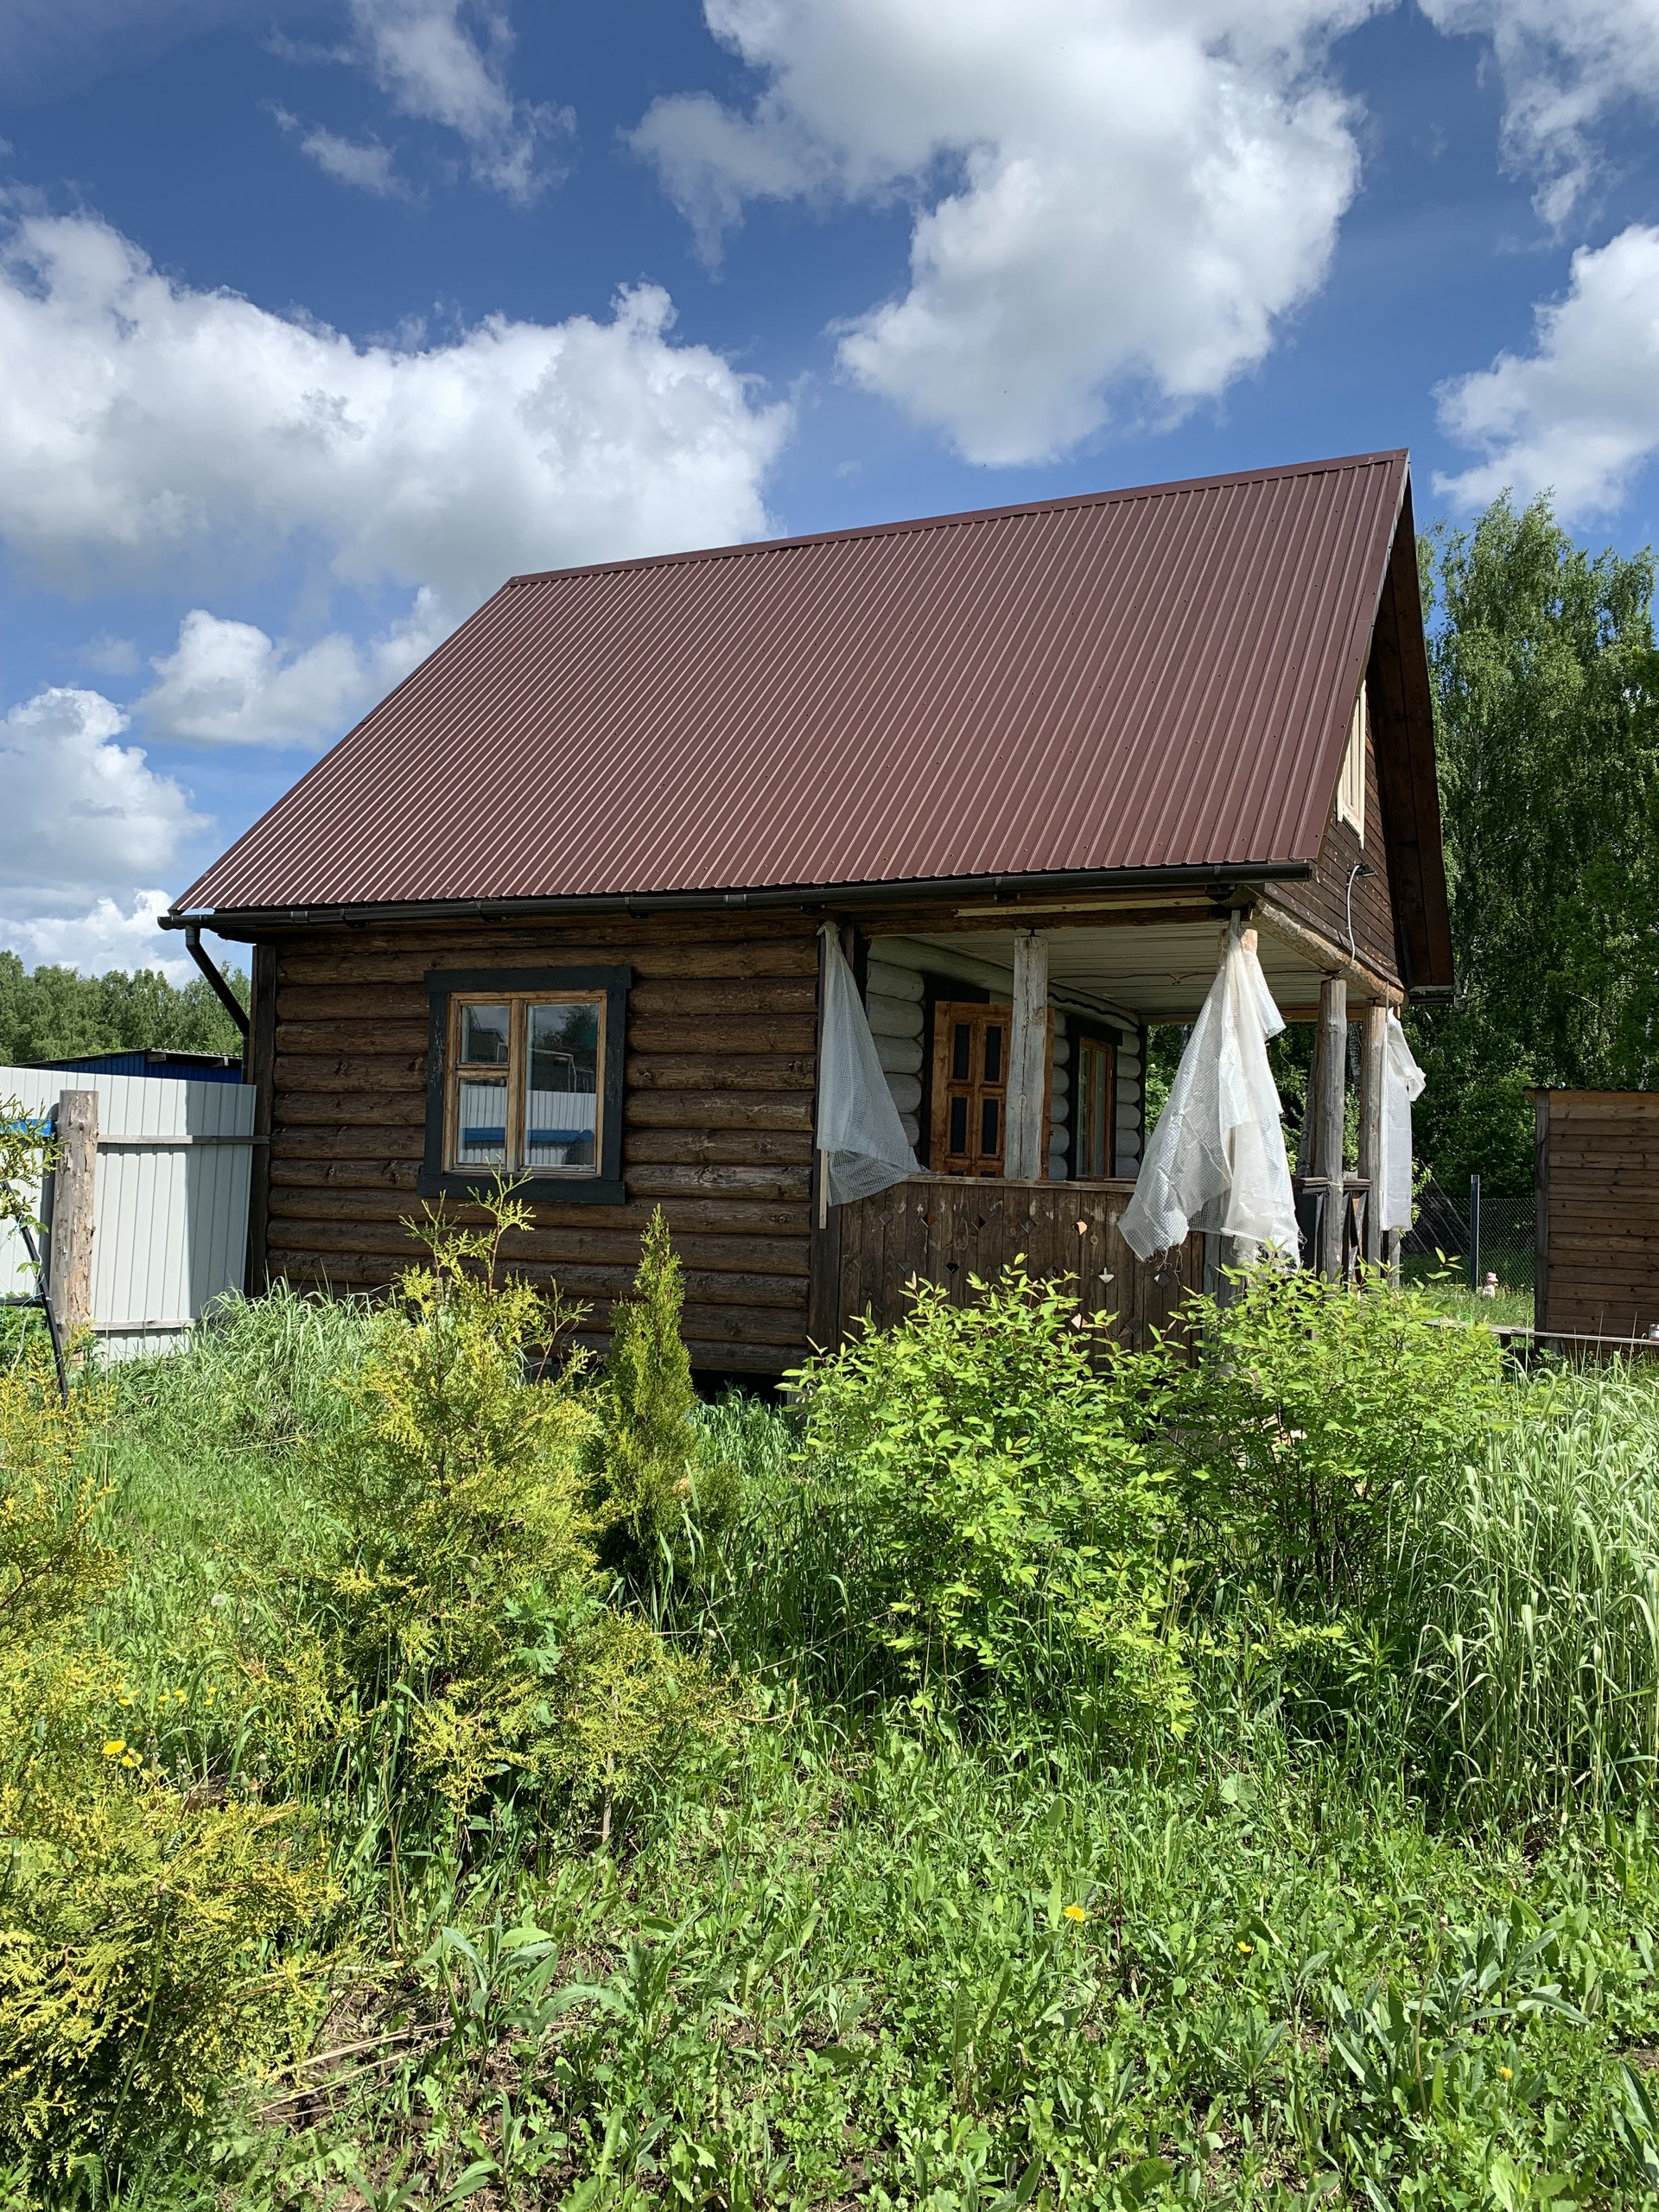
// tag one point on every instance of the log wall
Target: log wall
(950, 1230)
(1598, 1212)
(717, 1120)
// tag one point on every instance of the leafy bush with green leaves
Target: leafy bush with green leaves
(1302, 1430)
(659, 1495)
(1013, 1530)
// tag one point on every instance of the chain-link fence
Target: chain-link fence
(1491, 1235)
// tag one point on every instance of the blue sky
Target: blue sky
(316, 321)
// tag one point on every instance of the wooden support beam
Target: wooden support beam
(1331, 958)
(74, 1186)
(1024, 1156)
(1332, 1091)
(258, 1068)
(1373, 1059)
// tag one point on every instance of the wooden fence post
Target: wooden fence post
(1334, 1085)
(1024, 1156)
(74, 1183)
(1373, 1059)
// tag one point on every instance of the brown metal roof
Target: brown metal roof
(1153, 678)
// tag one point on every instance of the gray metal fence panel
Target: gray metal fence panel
(171, 1203)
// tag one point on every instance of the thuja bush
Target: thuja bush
(660, 1496)
(448, 1634)
(146, 1929)
(1011, 1528)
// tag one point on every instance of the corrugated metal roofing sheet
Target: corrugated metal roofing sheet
(1150, 678)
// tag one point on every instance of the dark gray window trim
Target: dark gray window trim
(606, 1188)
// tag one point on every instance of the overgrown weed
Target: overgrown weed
(1349, 1901)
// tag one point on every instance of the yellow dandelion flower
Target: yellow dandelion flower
(1247, 1948)
(1076, 1912)
(114, 1748)
(1508, 2072)
(131, 1759)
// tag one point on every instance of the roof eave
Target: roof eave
(251, 922)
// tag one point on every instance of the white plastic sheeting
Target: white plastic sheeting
(863, 1141)
(1216, 1159)
(1402, 1080)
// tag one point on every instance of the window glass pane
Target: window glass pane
(962, 1042)
(958, 1125)
(562, 1096)
(485, 1034)
(481, 1121)
(993, 1053)
(988, 1127)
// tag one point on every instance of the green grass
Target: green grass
(1377, 1932)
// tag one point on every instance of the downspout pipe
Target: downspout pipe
(216, 982)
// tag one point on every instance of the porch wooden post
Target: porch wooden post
(1333, 1084)
(1024, 1156)
(70, 1276)
(1373, 1051)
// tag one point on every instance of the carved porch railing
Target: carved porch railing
(948, 1229)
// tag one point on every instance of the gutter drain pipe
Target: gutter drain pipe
(216, 982)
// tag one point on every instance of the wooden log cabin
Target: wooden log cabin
(555, 905)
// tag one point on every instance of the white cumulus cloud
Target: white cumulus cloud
(111, 933)
(228, 683)
(83, 814)
(1565, 65)
(445, 63)
(1117, 201)
(1580, 414)
(150, 428)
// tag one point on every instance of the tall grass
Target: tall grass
(1530, 1578)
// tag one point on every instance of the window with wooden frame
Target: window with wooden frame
(970, 1089)
(1093, 1105)
(1350, 788)
(525, 1078)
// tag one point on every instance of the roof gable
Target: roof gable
(1153, 678)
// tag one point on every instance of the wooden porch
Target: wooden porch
(951, 1230)
(948, 1229)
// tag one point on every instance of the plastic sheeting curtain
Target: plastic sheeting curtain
(860, 1140)
(1216, 1159)
(1402, 1080)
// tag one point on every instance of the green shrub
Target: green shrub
(660, 1496)
(449, 1629)
(1012, 1529)
(1303, 1429)
(137, 1920)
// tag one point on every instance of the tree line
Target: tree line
(1547, 730)
(55, 1013)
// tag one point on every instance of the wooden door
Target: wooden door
(967, 1133)
(1093, 1106)
(971, 1088)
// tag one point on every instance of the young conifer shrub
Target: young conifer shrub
(658, 1494)
(146, 1938)
(450, 1633)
